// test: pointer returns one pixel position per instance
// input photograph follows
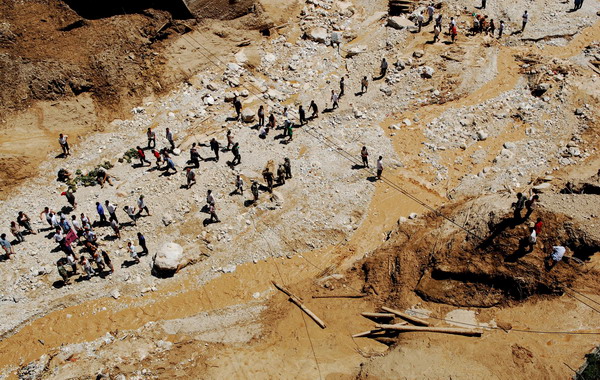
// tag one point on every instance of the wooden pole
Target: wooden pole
(378, 315)
(340, 296)
(409, 318)
(367, 333)
(295, 300)
(446, 330)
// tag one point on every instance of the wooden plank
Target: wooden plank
(378, 315)
(340, 296)
(410, 318)
(445, 330)
(295, 300)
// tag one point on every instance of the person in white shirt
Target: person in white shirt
(130, 211)
(133, 252)
(525, 19)
(112, 211)
(63, 140)
(239, 185)
(142, 205)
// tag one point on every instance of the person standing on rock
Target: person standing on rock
(315, 110)
(272, 123)
(287, 165)
(239, 185)
(214, 146)
(254, 190)
(379, 167)
(334, 100)
(492, 28)
(16, 232)
(142, 156)
(342, 85)
(100, 211)
(525, 19)
(420, 20)
(142, 206)
(5, 244)
(169, 136)
(364, 85)
(518, 206)
(25, 222)
(133, 252)
(190, 177)
(151, 138)
(261, 116)
(142, 243)
(237, 157)
(63, 140)
(302, 116)
(268, 177)
(237, 104)
(112, 211)
(364, 155)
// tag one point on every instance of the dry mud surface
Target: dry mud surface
(462, 128)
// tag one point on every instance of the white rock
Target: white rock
(407, 122)
(413, 215)
(356, 50)
(427, 72)
(317, 34)
(399, 22)
(115, 294)
(168, 258)
(482, 135)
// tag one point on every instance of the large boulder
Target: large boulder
(168, 260)
(399, 22)
(317, 34)
(248, 115)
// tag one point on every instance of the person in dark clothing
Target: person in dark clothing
(142, 156)
(261, 116)
(287, 165)
(519, 205)
(238, 108)
(268, 177)
(254, 190)
(142, 243)
(342, 85)
(302, 115)
(315, 109)
(214, 146)
(237, 158)
(195, 156)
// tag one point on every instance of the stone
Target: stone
(574, 151)
(209, 100)
(482, 135)
(579, 112)
(115, 294)
(427, 72)
(407, 122)
(386, 90)
(317, 34)
(510, 145)
(541, 187)
(228, 268)
(399, 22)
(248, 116)
(394, 126)
(413, 215)
(356, 50)
(168, 259)
(418, 53)
(211, 86)
(167, 219)
(229, 96)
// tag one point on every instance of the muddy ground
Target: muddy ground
(462, 127)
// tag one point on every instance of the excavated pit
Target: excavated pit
(93, 10)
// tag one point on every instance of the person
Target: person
(290, 132)
(492, 28)
(77, 226)
(532, 239)
(272, 122)
(64, 223)
(420, 19)
(525, 19)
(47, 215)
(214, 146)
(239, 185)
(383, 68)
(287, 165)
(261, 116)
(262, 133)
(112, 211)
(195, 156)
(151, 138)
(237, 157)
(85, 221)
(142, 205)
(438, 21)
(107, 261)
(454, 33)
(451, 25)
(430, 10)
(158, 157)
(87, 267)
(436, 33)
(116, 229)
(237, 104)
(334, 100)
(364, 155)
(90, 236)
(342, 85)
(229, 139)
(169, 136)
(132, 252)
(519, 205)
(483, 4)
(476, 27)
(16, 232)
(190, 176)
(557, 254)
(210, 200)
(254, 190)
(100, 211)
(286, 120)
(379, 167)
(268, 177)
(5, 244)
(63, 140)
(62, 272)
(142, 156)
(538, 226)
(302, 116)
(102, 176)
(280, 175)
(578, 4)
(130, 211)
(25, 222)
(70, 198)
(170, 163)
(315, 109)
(142, 243)
(530, 205)
(364, 85)
(98, 260)
(501, 28)
(213, 214)
(58, 237)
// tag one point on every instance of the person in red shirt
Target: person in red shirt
(142, 156)
(538, 226)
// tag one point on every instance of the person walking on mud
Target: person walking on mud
(214, 146)
(518, 206)
(63, 140)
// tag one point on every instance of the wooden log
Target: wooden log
(340, 296)
(295, 300)
(407, 317)
(367, 333)
(445, 330)
(378, 315)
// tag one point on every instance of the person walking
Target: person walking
(280, 175)
(142, 243)
(5, 244)
(195, 156)
(190, 177)
(214, 146)
(483, 4)
(87, 267)
(107, 261)
(16, 232)
(492, 28)
(315, 110)
(254, 190)
(420, 20)
(268, 177)
(379, 167)
(142, 156)
(454, 33)
(130, 211)
(334, 100)
(530, 205)
(169, 136)
(133, 252)
(436, 33)
(70, 198)
(141, 203)
(98, 260)
(62, 272)
(100, 211)
(237, 158)
(170, 163)
(213, 214)
(157, 156)
(116, 229)
(438, 21)
(210, 199)
(63, 140)
(302, 115)
(364, 85)
(272, 122)
(430, 11)
(112, 211)
(261, 116)
(451, 24)
(77, 226)
(239, 185)
(287, 165)
(290, 132)
(25, 222)
(237, 104)
(525, 20)
(151, 138)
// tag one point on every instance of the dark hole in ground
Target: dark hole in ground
(399, 7)
(93, 10)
